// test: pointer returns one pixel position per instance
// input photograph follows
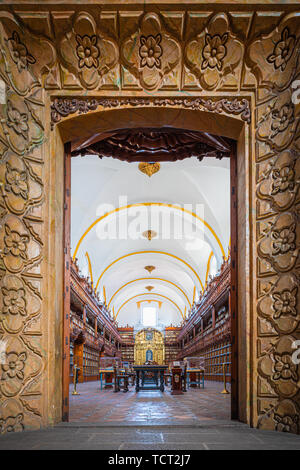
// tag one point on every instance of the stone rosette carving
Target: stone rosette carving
(284, 417)
(20, 133)
(16, 181)
(21, 244)
(274, 57)
(214, 55)
(15, 248)
(14, 366)
(87, 53)
(19, 52)
(283, 50)
(278, 367)
(20, 367)
(286, 423)
(284, 240)
(21, 186)
(19, 303)
(17, 120)
(278, 180)
(14, 301)
(280, 304)
(285, 303)
(278, 124)
(279, 242)
(151, 53)
(12, 424)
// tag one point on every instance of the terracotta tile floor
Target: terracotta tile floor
(148, 407)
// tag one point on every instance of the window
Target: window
(149, 316)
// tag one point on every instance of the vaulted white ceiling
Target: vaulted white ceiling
(109, 216)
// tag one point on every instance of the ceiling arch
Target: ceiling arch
(145, 252)
(146, 204)
(150, 279)
(152, 293)
(165, 267)
(115, 262)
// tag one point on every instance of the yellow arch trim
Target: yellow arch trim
(90, 267)
(149, 301)
(104, 294)
(152, 293)
(147, 279)
(208, 266)
(229, 247)
(149, 251)
(140, 204)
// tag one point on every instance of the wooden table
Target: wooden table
(158, 377)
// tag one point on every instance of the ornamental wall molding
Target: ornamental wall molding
(64, 107)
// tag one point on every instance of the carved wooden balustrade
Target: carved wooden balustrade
(92, 330)
(217, 328)
(82, 288)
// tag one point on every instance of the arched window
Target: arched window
(149, 316)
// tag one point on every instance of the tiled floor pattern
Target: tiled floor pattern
(148, 407)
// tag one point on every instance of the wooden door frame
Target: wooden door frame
(233, 282)
(233, 293)
(67, 282)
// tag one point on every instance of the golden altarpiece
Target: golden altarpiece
(149, 346)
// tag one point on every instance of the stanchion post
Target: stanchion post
(75, 374)
(224, 391)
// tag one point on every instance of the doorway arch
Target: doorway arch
(232, 127)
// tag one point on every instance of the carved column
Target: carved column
(278, 229)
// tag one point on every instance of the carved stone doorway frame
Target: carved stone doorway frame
(41, 60)
(176, 111)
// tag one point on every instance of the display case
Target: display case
(106, 370)
(177, 364)
(107, 363)
(196, 362)
(195, 367)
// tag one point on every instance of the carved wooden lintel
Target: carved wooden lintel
(63, 107)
